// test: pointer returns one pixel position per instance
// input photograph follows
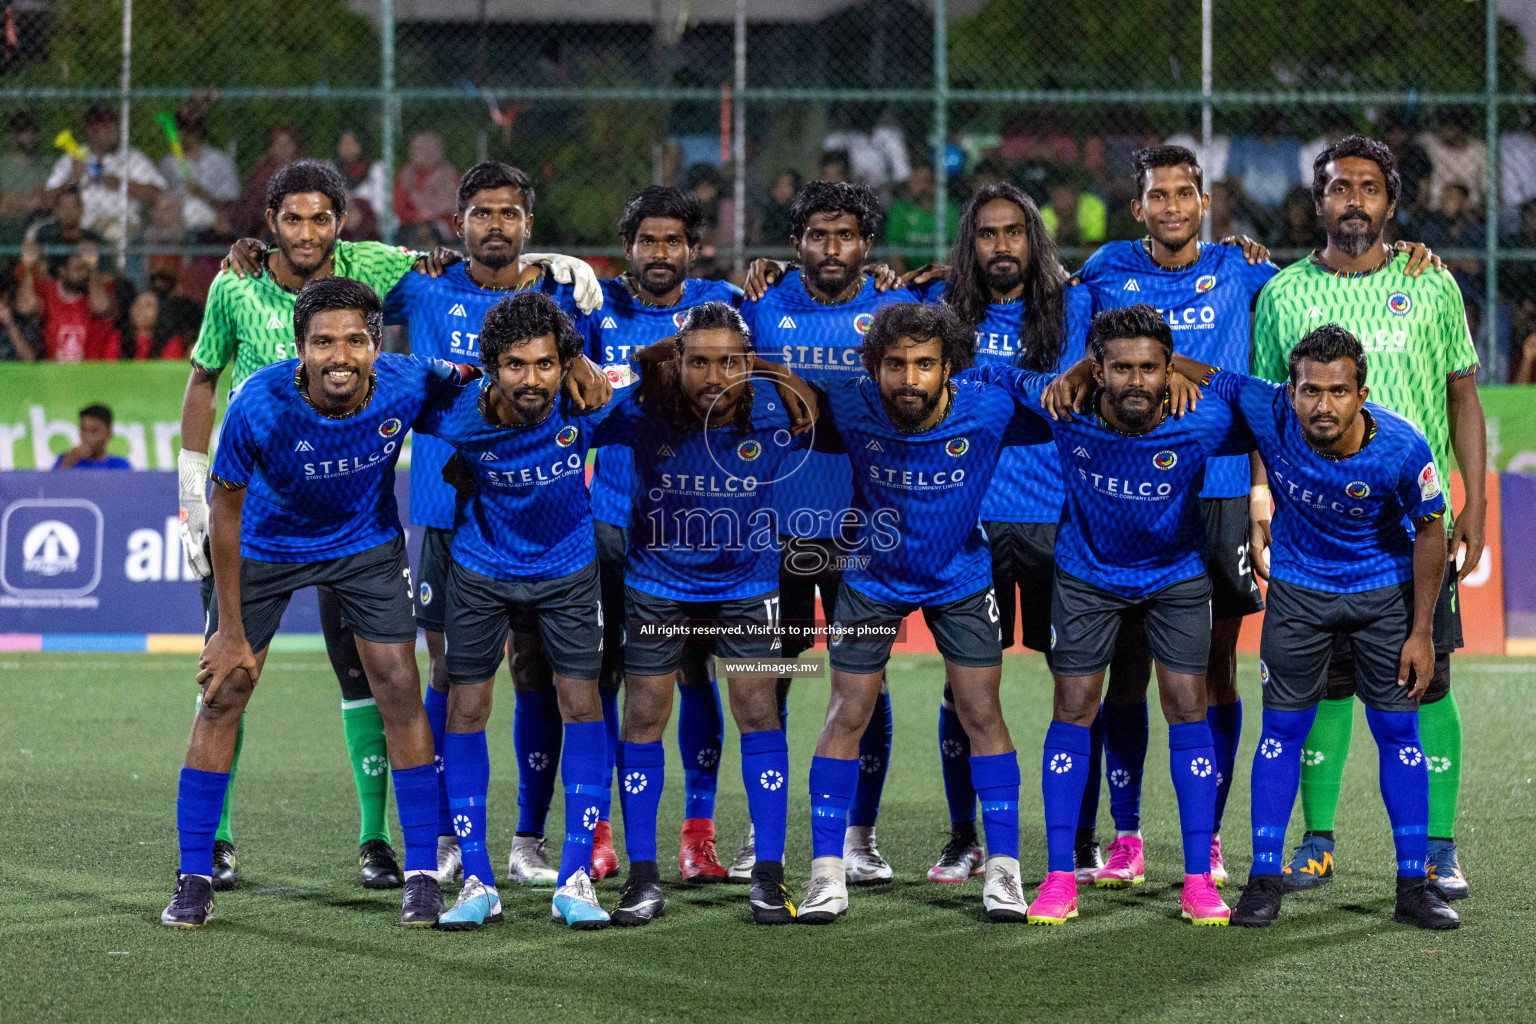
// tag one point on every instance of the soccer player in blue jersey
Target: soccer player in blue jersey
(923, 446)
(1357, 552)
(313, 441)
(710, 443)
(1130, 546)
(522, 557)
(1005, 281)
(443, 316)
(661, 230)
(814, 321)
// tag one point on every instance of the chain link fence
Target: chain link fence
(742, 102)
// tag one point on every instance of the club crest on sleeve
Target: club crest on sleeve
(567, 436)
(390, 427)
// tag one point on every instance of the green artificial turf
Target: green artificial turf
(90, 746)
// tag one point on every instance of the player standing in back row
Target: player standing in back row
(1414, 331)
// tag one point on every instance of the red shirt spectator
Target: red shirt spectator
(76, 309)
(427, 188)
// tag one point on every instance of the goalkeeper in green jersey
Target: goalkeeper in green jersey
(1423, 367)
(248, 324)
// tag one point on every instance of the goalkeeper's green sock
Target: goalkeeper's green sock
(1440, 735)
(1322, 762)
(363, 726)
(224, 832)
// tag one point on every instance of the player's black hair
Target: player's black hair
(489, 174)
(1360, 146)
(1328, 344)
(1042, 328)
(836, 197)
(303, 176)
(1138, 321)
(518, 319)
(662, 201)
(920, 322)
(714, 316)
(330, 293)
(97, 412)
(1143, 160)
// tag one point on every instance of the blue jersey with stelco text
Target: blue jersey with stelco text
(320, 487)
(917, 496)
(1341, 525)
(624, 325)
(813, 338)
(705, 528)
(1027, 485)
(1132, 522)
(1208, 304)
(443, 317)
(531, 519)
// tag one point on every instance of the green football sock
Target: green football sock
(1440, 735)
(1322, 762)
(363, 726)
(224, 832)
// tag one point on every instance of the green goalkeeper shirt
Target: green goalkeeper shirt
(249, 320)
(1413, 329)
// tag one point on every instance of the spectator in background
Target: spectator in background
(178, 316)
(91, 452)
(367, 186)
(1073, 215)
(204, 181)
(76, 309)
(911, 220)
(99, 177)
(145, 339)
(65, 227)
(1454, 224)
(1517, 284)
(427, 187)
(877, 155)
(1336, 124)
(707, 186)
(20, 339)
(833, 166)
(1517, 168)
(774, 224)
(23, 173)
(1264, 168)
(285, 143)
(1454, 159)
(1297, 224)
(1412, 166)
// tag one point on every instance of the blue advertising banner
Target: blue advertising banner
(99, 551)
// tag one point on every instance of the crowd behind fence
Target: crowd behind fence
(141, 133)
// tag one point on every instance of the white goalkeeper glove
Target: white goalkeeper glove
(574, 272)
(192, 478)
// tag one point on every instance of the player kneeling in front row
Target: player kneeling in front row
(314, 442)
(709, 440)
(1131, 542)
(924, 446)
(1347, 476)
(524, 558)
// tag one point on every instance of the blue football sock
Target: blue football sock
(833, 781)
(199, 802)
(997, 784)
(874, 758)
(765, 773)
(416, 803)
(436, 703)
(1088, 810)
(582, 769)
(1404, 773)
(610, 750)
(1276, 777)
(536, 735)
(1226, 722)
(1125, 756)
(1063, 774)
(1192, 763)
(642, 773)
(700, 732)
(955, 757)
(467, 772)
